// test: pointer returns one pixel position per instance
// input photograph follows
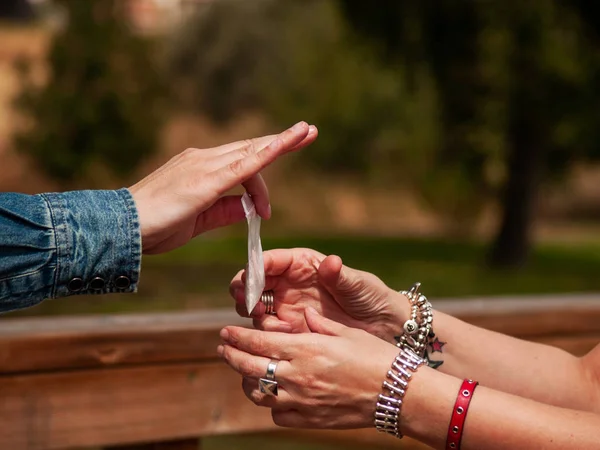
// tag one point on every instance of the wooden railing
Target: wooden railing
(153, 381)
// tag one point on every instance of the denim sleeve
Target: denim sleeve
(59, 244)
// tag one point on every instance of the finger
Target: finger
(257, 144)
(289, 418)
(319, 324)
(246, 145)
(251, 366)
(236, 285)
(225, 211)
(250, 147)
(279, 261)
(252, 391)
(258, 190)
(267, 322)
(312, 135)
(256, 342)
(241, 309)
(242, 169)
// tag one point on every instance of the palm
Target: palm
(298, 286)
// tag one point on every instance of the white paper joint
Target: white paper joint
(255, 271)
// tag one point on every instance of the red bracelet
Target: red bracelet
(459, 414)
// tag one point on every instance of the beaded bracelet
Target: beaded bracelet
(389, 402)
(417, 329)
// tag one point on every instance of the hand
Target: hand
(184, 197)
(302, 277)
(327, 380)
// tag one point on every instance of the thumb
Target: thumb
(337, 278)
(319, 324)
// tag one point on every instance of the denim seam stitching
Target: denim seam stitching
(56, 245)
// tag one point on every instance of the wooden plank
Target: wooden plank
(98, 408)
(48, 344)
(578, 345)
(181, 444)
(364, 438)
(529, 316)
(38, 344)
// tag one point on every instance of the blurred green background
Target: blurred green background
(459, 140)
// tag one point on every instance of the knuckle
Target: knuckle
(189, 153)
(246, 368)
(236, 167)
(258, 344)
(248, 148)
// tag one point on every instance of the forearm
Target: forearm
(511, 365)
(59, 244)
(536, 371)
(495, 420)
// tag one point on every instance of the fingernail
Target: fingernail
(269, 210)
(311, 310)
(220, 350)
(312, 129)
(224, 334)
(299, 126)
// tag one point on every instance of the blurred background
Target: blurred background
(459, 140)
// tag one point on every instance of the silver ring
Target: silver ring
(268, 385)
(268, 299)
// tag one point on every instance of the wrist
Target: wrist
(399, 312)
(428, 406)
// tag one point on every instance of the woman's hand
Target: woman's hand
(300, 278)
(326, 380)
(184, 197)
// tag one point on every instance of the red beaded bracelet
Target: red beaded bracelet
(459, 414)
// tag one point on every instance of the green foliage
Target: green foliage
(518, 87)
(101, 104)
(437, 93)
(298, 59)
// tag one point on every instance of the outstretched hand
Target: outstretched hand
(328, 378)
(301, 278)
(185, 197)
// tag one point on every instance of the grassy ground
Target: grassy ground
(197, 275)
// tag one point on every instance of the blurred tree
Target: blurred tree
(297, 58)
(16, 10)
(100, 107)
(470, 101)
(525, 61)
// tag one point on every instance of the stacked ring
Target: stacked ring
(268, 299)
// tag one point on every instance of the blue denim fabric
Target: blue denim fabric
(47, 240)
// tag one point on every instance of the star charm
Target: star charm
(436, 345)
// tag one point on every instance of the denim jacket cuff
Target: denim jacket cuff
(98, 242)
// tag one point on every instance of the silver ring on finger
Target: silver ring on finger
(268, 299)
(268, 385)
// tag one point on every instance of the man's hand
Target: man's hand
(184, 197)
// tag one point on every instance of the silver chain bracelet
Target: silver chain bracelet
(417, 329)
(389, 402)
